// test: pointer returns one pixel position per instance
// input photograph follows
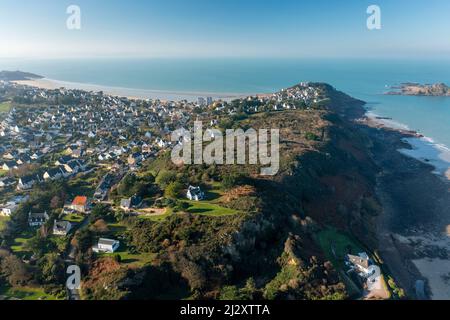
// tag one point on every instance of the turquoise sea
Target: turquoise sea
(362, 78)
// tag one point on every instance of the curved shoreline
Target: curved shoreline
(131, 93)
(413, 230)
(422, 148)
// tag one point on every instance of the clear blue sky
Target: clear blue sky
(224, 28)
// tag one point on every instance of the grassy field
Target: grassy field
(76, 218)
(3, 221)
(336, 245)
(3, 173)
(210, 206)
(209, 209)
(19, 244)
(25, 293)
(157, 218)
(83, 185)
(129, 259)
(116, 230)
(5, 106)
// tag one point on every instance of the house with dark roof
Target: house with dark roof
(7, 182)
(72, 166)
(28, 182)
(64, 171)
(9, 165)
(135, 158)
(37, 219)
(37, 155)
(23, 158)
(63, 160)
(53, 174)
(61, 228)
(130, 203)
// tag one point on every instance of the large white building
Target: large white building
(106, 245)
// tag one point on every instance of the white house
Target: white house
(37, 219)
(8, 209)
(11, 206)
(195, 193)
(106, 245)
(359, 263)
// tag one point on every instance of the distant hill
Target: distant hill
(18, 75)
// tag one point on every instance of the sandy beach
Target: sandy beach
(416, 145)
(130, 93)
(413, 186)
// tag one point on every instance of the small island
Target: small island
(416, 89)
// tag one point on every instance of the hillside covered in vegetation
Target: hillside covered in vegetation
(251, 237)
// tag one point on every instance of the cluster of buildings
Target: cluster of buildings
(63, 133)
(91, 130)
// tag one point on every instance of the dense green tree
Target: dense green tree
(173, 190)
(165, 177)
(52, 269)
(14, 270)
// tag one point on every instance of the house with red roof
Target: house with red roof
(80, 204)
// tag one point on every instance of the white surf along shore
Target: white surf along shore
(46, 83)
(424, 149)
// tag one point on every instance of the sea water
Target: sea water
(366, 79)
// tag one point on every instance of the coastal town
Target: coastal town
(50, 141)
(71, 158)
(224, 159)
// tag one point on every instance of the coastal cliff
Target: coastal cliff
(292, 232)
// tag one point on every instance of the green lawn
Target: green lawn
(19, 243)
(210, 206)
(25, 293)
(76, 218)
(82, 185)
(132, 260)
(155, 218)
(127, 258)
(209, 209)
(336, 245)
(5, 106)
(116, 229)
(3, 221)
(3, 173)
